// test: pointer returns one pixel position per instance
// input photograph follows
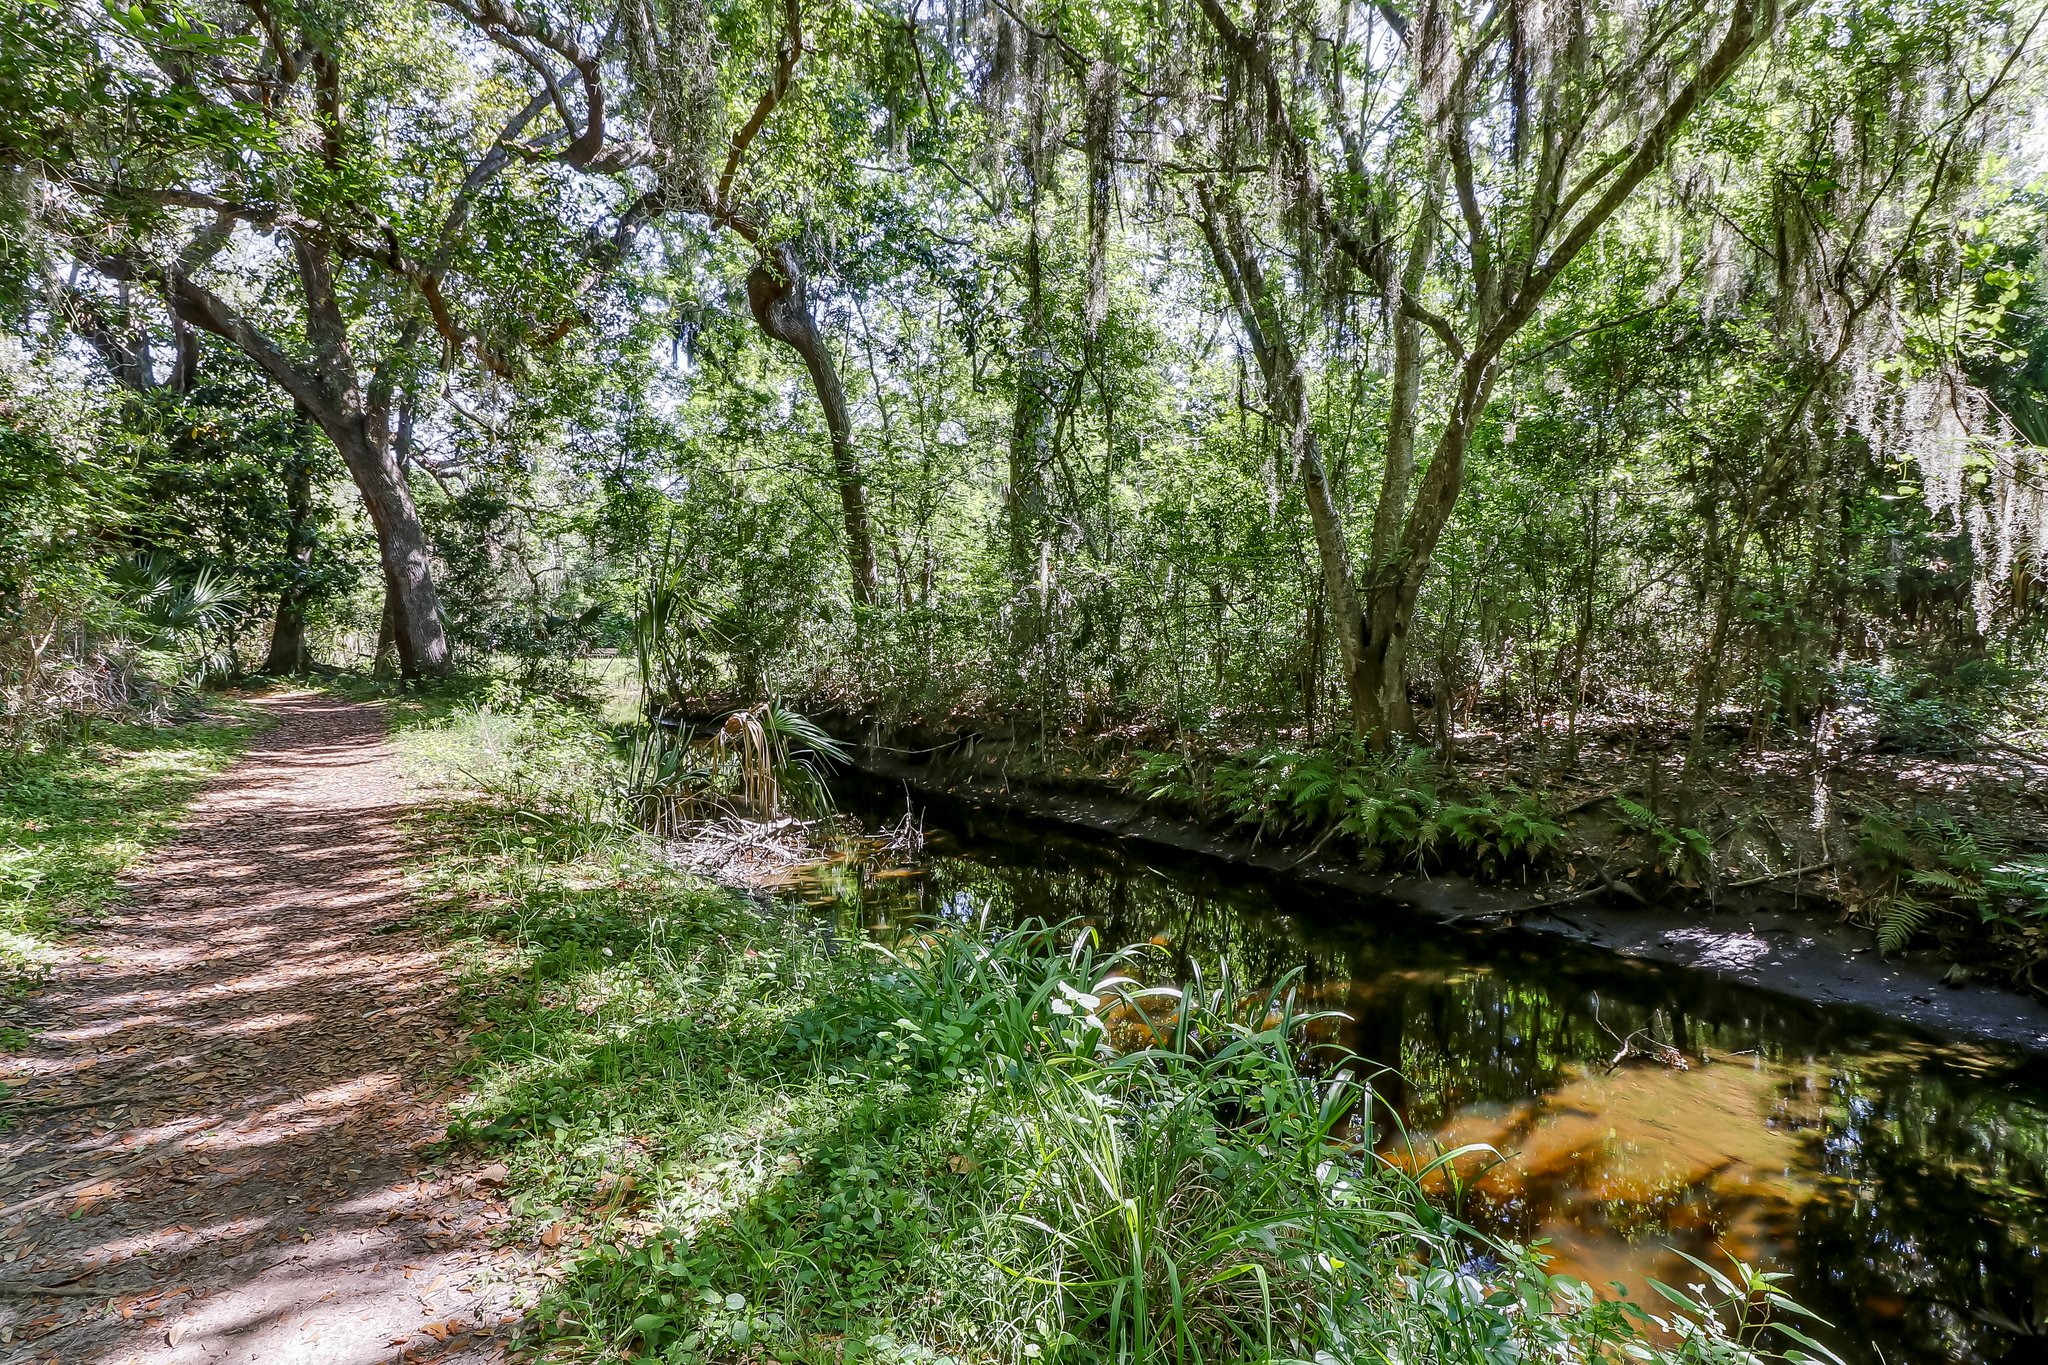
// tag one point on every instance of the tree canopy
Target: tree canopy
(1217, 367)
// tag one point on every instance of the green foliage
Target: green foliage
(72, 819)
(1939, 711)
(551, 768)
(1391, 811)
(972, 1143)
(57, 496)
(185, 615)
(666, 779)
(1385, 808)
(670, 629)
(1930, 865)
(1169, 778)
(1501, 831)
(571, 782)
(1683, 852)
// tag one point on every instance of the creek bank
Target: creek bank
(1775, 941)
(1780, 935)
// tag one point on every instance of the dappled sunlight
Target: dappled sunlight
(1895, 1179)
(238, 1074)
(1613, 1169)
(265, 1024)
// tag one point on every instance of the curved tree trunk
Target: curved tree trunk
(1287, 395)
(358, 421)
(355, 417)
(1390, 603)
(775, 292)
(405, 554)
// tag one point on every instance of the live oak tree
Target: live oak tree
(1480, 150)
(697, 166)
(342, 192)
(1218, 366)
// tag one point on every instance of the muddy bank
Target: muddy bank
(1805, 953)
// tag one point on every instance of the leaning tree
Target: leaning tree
(346, 192)
(1455, 161)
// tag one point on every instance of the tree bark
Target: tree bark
(289, 654)
(1390, 603)
(357, 420)
(1027, 502)
(782, 307)
(359, 424)
(1383, 670)
(406, 557)
(1287, 395)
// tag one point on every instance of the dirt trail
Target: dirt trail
(218, 1148)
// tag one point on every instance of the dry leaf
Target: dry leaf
(553, 1236)
(176, 1334)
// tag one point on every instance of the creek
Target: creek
(1901, 1182)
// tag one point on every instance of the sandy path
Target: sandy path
(244, 1055)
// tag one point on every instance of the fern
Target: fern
(1167, 777)
(1898, 919)
(1883, 839)
(1637, 816)
(1941, 879)
(1681, 851)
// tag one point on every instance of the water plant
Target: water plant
(965, 1140)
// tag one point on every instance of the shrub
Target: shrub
(1928, 866)
(1386, 807)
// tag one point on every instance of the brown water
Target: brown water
(1901, 1182)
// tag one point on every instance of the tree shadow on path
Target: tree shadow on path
(220, 1149)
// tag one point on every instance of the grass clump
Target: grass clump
(759, 1139)
(74, 817)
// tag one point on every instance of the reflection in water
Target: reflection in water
(1903, 1184)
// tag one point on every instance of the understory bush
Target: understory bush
(1387, 809)
(1935, 711)
(756, 1138)
(568, 778)
(1930, 872)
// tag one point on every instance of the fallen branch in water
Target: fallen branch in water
(1648, 1049)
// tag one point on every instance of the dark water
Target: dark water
(1903, 1183)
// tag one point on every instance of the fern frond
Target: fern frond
(1898, 919)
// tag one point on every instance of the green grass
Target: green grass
(73, 819)
(755, 1141)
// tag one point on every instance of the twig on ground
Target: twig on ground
(1808, 870)
(49, 1291)
(2030, 755)
(29, 1105)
